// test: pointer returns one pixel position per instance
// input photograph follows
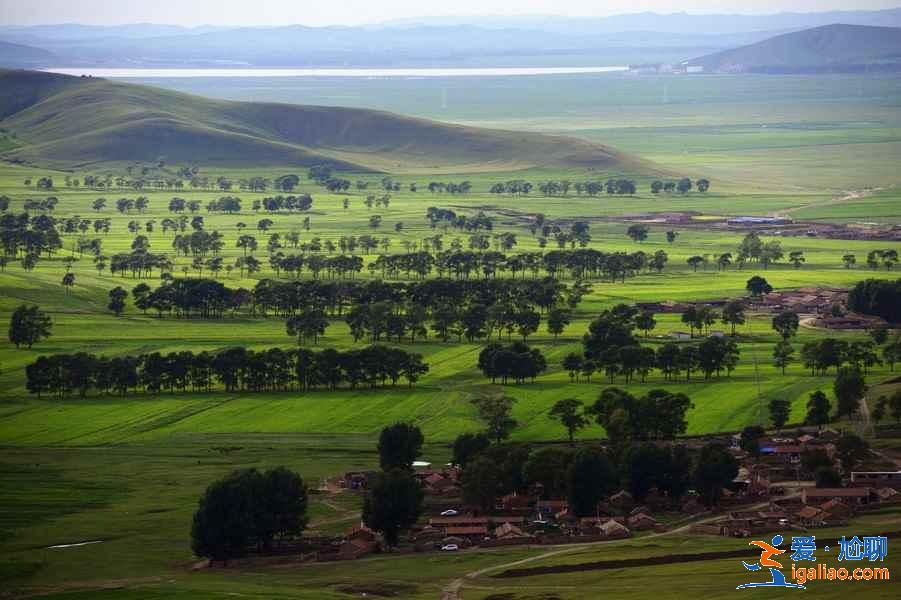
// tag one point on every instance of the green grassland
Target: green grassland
(128, 471)
(776, 133)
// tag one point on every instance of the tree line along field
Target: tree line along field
(440, 402)
(79, 469)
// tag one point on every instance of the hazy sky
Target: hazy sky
(348, 12)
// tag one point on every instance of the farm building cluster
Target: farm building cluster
(770, 478)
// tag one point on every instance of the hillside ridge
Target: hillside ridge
(84, 120)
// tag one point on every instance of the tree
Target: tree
(642, 466)
(695, 261)
(796, 258)
(68, 281)
(28, 325)
(818, 409)
(758, 286)
(495, 411)
(671, 236)
(569, 412)
(547, 467)
(750, 439)
(393, 503)
(308, 324)
(638, 233)
(849, 388)
(557, 320)
(645, 321)
(714, 470)
(779, 412)
(248, 507)
(399, 445)
(223, 525)
(782, 355)
(117, 297)
(703, 185)
(284, 505)
(572, 362)
(734, 314)
(684, 185)
(786, 324)
(590, 477)
(467, 446)
(827, 477)
(851, 449)
(480, 483)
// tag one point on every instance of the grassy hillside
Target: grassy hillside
(835, 48)
(84, 121)
(20, 55)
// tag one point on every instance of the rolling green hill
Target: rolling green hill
(72, 121)
(832, 48)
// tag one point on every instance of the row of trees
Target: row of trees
(515, 361)
(878, 297)
(711, 357)
(237, 369)
(210, 298)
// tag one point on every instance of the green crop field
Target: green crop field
(127, 471)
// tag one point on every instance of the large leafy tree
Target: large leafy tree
(496, 412)
(28, 325)
(591, 476)
(393, 503)
(818, 409)
(849, 388)
(248, 508)
(714, 470)
(569, 412)
(467, 446)
(481, 483)
(399, 445)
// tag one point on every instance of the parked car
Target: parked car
(449, 513)
(450, 548)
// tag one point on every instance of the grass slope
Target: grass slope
(77, 121)
(829, 48)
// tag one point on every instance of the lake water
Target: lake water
(418, 72)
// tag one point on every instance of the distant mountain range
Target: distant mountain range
(712, 24)
(469, 42)
(82, 121)
(831, 48)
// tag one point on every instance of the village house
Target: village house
(614, 529)
(515, 503)
(356, 480)
(810, 516)
(876, 479)
(641, 522)
(858, 496)
(508, 531)
(359, 540)
(550, 508)
(472, 533)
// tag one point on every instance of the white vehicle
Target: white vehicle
(449, 513)
(450, 548)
